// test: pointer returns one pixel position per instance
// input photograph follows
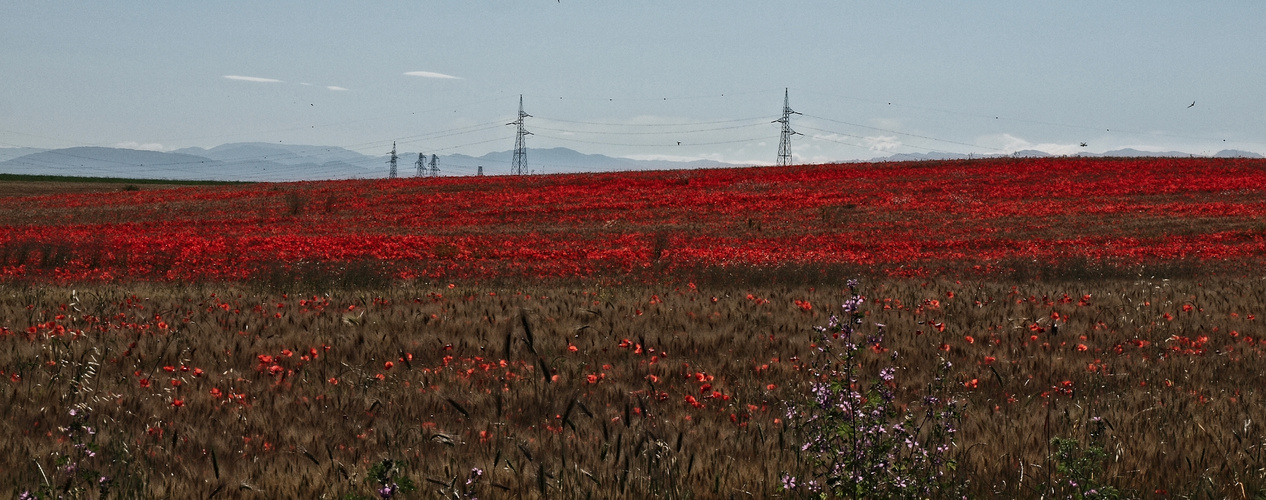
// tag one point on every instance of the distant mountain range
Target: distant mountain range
(281, 162)
(242, 161)
(11, 153)
(1031, 153)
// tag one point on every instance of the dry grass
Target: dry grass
(1187, 422)
(17, 189)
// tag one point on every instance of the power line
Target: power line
(656, 135)
(370, 145)
(342, 122)
(659, 98)
(834, 133)
(630, 129)
(999, 117)
(476, 143)
(657, 145)
(901, 133)
(470, 129)
(668, 132)
(691, 124)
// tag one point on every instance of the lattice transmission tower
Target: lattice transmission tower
(518, 165)
(391, 174)
(784, 144)
(421, 165)
(435, 168)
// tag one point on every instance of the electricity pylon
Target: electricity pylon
(518, 166)
(391, 174)
(784, 144)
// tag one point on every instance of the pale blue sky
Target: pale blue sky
(634, 78)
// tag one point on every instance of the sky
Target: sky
(654, 79)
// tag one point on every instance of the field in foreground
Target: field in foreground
(624, 392)
(638, 334)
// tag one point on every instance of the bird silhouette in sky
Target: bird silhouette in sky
(1193, 103)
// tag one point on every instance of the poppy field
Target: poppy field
(1067, 327)
(904, 219)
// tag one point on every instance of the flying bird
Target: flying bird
(1193, 103)
(1083, 144)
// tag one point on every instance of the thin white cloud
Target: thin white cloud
(709, 157)
(879, 143)
(798, 158)
(883, 143)
(429, 74)
(252, 79)
(1010, 144)
(660, 157)
(1005, 142)
(149, 146)
(334, 87)
(886, 123)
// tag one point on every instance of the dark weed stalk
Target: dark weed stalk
(863, 442)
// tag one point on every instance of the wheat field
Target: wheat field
(233, 391)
